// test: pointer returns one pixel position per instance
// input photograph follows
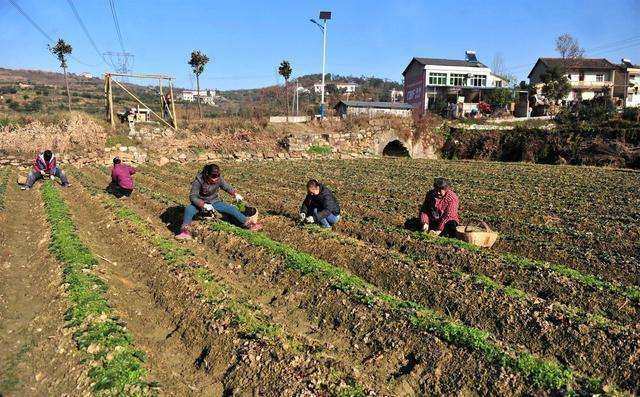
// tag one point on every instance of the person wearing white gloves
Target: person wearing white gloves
(204, 197)
(320, 205)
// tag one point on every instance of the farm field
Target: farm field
(372, 307)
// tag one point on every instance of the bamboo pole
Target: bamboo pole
(142, 103)
(161, 98)
(174, 116)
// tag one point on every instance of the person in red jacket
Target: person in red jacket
(439, 212)
(121, 179)
(45, 166)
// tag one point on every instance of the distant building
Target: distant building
(588, 77)
(427, 80)
(396, 95)
(347, 87)
(86, 75)
(207, 96)
(25, 85)
(356, 108)
(631, 83)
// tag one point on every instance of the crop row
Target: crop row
(547, 280)
(222, 311)
(117, 366)
(340, 283)
(548, 217)
(510, 313)
(4, 179)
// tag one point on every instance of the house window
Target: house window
(581, 76)
(478, 80)
(599, 78)
(498, 83)
(457, 79)
(437, 78)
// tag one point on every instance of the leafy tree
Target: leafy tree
(285, 71)
(197, 62)
(499, 98)
(568, 47)
(61, 50)
(556, 85)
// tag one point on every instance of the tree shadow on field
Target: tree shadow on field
(172, 218)
(413, 224)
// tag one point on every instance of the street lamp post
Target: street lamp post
(324, 16)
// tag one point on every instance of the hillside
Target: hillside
(33, 91)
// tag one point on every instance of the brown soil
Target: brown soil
(38, 356)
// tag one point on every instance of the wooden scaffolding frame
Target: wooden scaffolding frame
(108, 94)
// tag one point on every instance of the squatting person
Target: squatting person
(121, 179)
(45, 166)
(204, 198)
(320, 205)
(439, 212)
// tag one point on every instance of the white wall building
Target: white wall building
(429, 79)
(347, 87)
(588, 76)
(207, 96)
(632, 83)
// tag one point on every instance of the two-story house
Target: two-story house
(427, 80)
(588, 77)
(346, 87)
(631, 83)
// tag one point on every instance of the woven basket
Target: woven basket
(22, 180)
(477, 236)
(251, 213)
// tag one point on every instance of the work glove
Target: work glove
(207, 207)
(309, 219)
(303, 216)
(239, 197)
(43, 173)
(52, 177)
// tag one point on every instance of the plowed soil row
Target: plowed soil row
(38, 356)
(256, 258)
(238, 360)
(543, 212)
(600, 351)
(548, 281)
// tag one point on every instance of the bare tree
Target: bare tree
(61, 50)
(197, 62)
(499, 68)
(568, 47)
(285, 71)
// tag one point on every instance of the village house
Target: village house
(428, 80)
(631, 83)
(206, 96)
(396, 95)
(589, 77)
(358, 108)
(346, 87)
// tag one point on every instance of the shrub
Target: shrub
(596, 110)
(499, 98)
(631, 114)
(319, 149)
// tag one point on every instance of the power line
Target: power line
(116, 23)
(86, 31)
(39, 29)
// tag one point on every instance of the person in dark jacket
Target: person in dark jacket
(45, 166)
(121, 179)
(204, 198)
(439, 212)
(320, 205)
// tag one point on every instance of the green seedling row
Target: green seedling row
(543, 373)
(117, 367)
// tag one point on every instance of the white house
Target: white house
(467, 81)
(631, 83)
(396, 95)
(207, 96)
(347, 87)
(588, 76)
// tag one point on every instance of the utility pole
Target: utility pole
(324, 16)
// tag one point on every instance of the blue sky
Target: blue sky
(247, 39)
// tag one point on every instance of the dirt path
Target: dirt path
(38, 356)
(170, 362)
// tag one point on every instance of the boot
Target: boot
(184, 235)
